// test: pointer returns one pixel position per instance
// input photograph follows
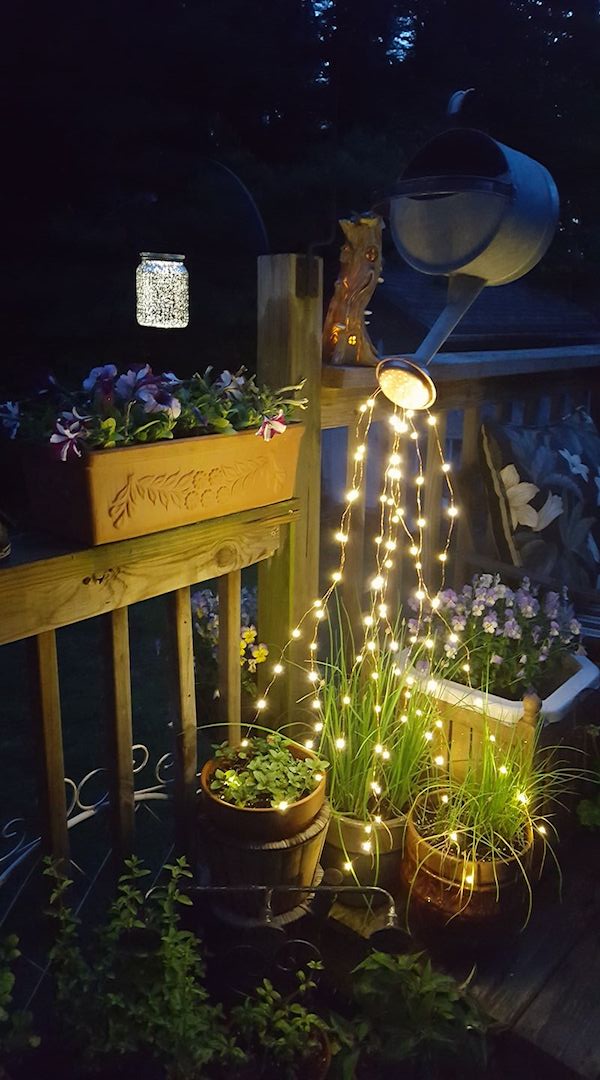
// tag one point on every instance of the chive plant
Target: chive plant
(506, 797)
(374, 729)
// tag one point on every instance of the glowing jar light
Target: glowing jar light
(162, 291)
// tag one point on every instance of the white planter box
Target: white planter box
(586, 676)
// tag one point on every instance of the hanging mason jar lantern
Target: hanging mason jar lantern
(162, 292)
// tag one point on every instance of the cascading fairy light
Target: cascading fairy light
(401, 533)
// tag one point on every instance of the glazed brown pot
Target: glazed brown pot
(261, 825)
(449, 887)
(131, 491)
(345, 838)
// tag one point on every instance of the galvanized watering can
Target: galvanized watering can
(473, 209)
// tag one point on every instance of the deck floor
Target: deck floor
(542, 986)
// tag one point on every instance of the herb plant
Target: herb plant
(139, 406)
(497, 639)
(407, 1016)
(138, 989)
(278, 1035)
(16, 1034)
(263, 772)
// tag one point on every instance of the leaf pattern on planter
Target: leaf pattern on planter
(201, 488)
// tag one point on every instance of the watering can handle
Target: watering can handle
(451, 185)
(463, 289)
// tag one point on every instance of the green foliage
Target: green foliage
(16, 1035)
(278, 1034)
(382, 723)
(263, 772)
(138, 988)
(406, 1013)
(588, 812)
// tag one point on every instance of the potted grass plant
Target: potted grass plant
(469, 850)
(492, 644)
(265, 814)
(96, 468)
(375, 730)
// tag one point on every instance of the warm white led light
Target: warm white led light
(296, 633)
(352, 495)
(340, 743)
(341, 537)
(277, 669)
(452, 511)
(261, 704)
(378, 582)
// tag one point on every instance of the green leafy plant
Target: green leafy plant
(264, 772)
(588, 810)
(16, 1034)
(279, 1035)
(406, 1015)
(138, 988)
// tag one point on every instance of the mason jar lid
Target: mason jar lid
(161, 256)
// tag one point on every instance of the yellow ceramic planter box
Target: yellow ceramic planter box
(135, 490)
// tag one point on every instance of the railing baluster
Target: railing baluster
(230, 685)
(47, 719)
(462, 543)
(353, 582)
(434, 485)
(120, 735)
(185, 726)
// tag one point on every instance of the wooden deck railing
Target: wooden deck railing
(41, 591)
(45, 588)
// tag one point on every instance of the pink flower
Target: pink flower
(68, 437)
(272, 425)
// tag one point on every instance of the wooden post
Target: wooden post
(48, 736)
(185, 726)
(230, 672)
(120, 735)
(290, 313)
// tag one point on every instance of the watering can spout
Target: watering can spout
(463, 290)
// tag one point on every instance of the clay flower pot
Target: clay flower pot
(131, 491)
(261, 825)
(449, 886)
(345, 839)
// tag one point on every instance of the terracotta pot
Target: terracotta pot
(261, 825)
(345, 838)
(236, 861)
(448, 886)
(135, 490)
